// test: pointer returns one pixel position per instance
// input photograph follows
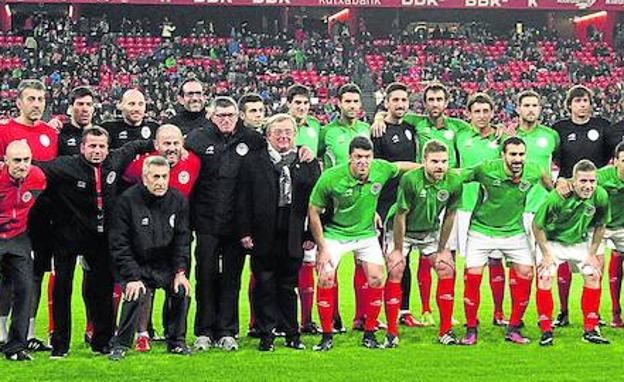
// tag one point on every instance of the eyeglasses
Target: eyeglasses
(225, 115)
(193, 94)
(286, 132)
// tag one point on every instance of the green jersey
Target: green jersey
(502, 198)
(474, 149)
(353, 203)
(426, 131)
(424, 199)
(609, 179)
(541, 143)
(335, 140)
(568, 220)
(309, 134)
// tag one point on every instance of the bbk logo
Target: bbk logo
(271, 1)
(419, 3)
(212, 1)
(484, 3)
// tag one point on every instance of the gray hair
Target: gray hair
(223, 101)
(154, 161)
(167, 126)
(277, 118)
(30, 84)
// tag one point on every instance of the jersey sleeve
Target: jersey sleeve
(603, 210)
(390, 169)
(412, 119)
(321, 192)
(405, 194)
(542, 213)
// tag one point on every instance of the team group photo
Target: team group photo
(250, 191)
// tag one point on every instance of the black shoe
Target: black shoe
(266, 344)
(391, 341)
(562, 320)
(594, 337)
(369, 341)
(449, 338)
(105, 350)
(19, 356)
(295, 343)
(117, 354)
(253, 333)
(310, 328)
(35, 344)
(327, 342)
(338, 327)
(182, 349)
(547, 339)
(58, 354)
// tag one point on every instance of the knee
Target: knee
(592, 280)
(525, 272)
(444, 271)
(375, 280)
(544, 282)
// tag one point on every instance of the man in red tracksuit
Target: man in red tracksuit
(20, 185)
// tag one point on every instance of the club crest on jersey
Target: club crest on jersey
(27, 196)
(542, 142)
(81, 184)
(123, 134)
(443, 195)
(593, 135)
(395, 139)
(110, 178)
(146, 132)
(145, 222)
(376, 188)
(71, 142)
(44, 140)
(590, 210)
(172, 220)
(449, 135)
(210, 150)
(408, 135)
(524, 186)
(184, 177)
(242, 149)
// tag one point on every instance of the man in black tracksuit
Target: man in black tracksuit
(221, 147)
(83, 191)
(272, 207)
(133, 125)
(150, 244)
(191, 113)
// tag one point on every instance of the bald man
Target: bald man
(20, 185)
(133, 125)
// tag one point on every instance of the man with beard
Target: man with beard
(192, 103)
(43, 143)
(497, 225)
(582, 136)
(81, 101)
(562, 227)
(132, 126)
(20, 185)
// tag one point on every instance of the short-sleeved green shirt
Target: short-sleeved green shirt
(353, 203)
(424, 199)
(568, 220)
(335, 140)
(309, 134)
(426, 131)
(609, 179)
(541, 143)
(474, 149)
(502, 199)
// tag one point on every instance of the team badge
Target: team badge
(44, 140)
(590, 210)
(449, 135)
(71, 142)
(184, 177)
(408, 135)
(145, 222)
(242, 149)
(123, 134)
(524, 186)
(210, 150)
(81, 184)
(443, 195)
(311, 133)
(146, 132)
(593, 135)
(542, 142)
(172, 220)
(26, 197)
(395, 139)
(110, 178)
(376, 188)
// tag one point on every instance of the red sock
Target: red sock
(497, 284)
(615, 281)
(590, 304)
(50, 303)
(306, 291)
(544, 300)
(374, 298)
(520, 294)
(117, 293)
(445, 297)
(564, 279)
(392, 299)
(336, 313)
(360, 286)
(250, 288)
(325, 304)
(424, 283)
(472, 298)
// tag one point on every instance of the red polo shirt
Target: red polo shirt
(42, 139)
(16, 200)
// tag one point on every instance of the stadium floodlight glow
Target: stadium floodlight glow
(338, 15)
(591, 16)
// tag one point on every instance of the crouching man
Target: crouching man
(150, 245)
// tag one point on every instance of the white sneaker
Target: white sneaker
(202, 343)
(227, 343)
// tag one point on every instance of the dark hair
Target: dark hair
(361, 143)
(435, 87)
(30, 84)
(349, 88)
(512, 141)
(248, 98)
(79, 92)
(618, 149)
(95, 131)
(188, 81)
(584, 165)
(578, 91)
(295, 90)
(479, 98)
(527, 94)
(434, 146)
(394, 87)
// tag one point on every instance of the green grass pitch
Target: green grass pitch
(419, 357)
